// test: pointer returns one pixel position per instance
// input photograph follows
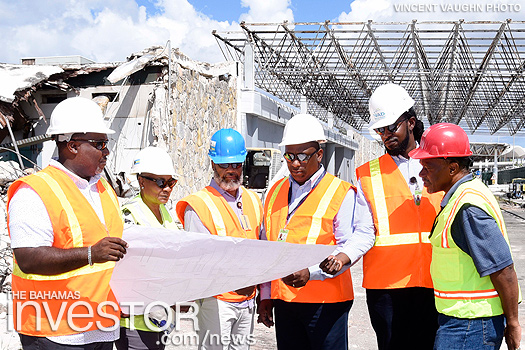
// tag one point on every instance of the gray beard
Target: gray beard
(227, 185)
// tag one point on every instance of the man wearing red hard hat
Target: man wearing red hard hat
(475, 284)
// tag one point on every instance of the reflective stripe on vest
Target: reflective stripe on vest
(402, 238)
(63, 276)
(76, 232)
(444, 241)
(269, 206)
(315, 228)
(215, 213)
(470, 295)
(379, 195)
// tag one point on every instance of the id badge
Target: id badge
(245, 223)
(417, 196)
(283, 234)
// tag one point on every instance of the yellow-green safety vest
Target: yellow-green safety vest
(458, 288)
(142, 215)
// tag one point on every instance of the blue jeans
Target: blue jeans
(469, 334)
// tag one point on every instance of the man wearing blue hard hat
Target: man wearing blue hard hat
(225, 208)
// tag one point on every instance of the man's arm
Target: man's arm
(360, 238)
(506, 283)
(54, 261)
(32, 239)
(478, 235)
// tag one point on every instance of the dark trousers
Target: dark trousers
(42, 343)
(404, 318)
(311, 326)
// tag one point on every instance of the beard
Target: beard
(227, 184)
(400, 149)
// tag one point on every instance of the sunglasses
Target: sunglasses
(98, 144)
(161, 182)
(302, 157)
(392, 127)
(233, 165)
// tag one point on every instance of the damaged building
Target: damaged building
(155, 99)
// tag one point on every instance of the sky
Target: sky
(110, 30)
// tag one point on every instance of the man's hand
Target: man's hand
(108, 249)
(513, 335)
(506, 283)
(246, 291)
(333, 264)
(265, 311)
(297, 279)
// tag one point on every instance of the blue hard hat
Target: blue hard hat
(227, 146)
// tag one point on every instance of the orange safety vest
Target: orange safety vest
(401, 255)
(219, 218)
(42, 303)
(312, 223)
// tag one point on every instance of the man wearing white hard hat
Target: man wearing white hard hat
(225, 208)
(156, 176)
(66, 230)
(311, 306)
(396, 271)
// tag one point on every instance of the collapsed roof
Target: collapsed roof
(468, 73)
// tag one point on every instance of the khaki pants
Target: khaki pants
(223, 326)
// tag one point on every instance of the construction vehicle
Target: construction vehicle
(260, 167)
(516, 188)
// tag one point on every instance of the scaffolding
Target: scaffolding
(468, 73)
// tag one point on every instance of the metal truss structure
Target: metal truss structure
(468, 73)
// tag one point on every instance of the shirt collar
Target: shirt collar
(80, 182)
(453, 189)
(224, 193)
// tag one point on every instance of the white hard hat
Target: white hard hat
(77, 115)
(387, 104)
(153, 160)
(302, 128)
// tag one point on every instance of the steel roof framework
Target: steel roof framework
(468, 73)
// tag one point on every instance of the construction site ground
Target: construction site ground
(360, 332)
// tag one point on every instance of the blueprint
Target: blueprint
(176, 266)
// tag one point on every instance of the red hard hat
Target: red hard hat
(442, 140)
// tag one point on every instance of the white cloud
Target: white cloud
(110, 30)
(272, 11)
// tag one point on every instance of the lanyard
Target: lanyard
(304, 198)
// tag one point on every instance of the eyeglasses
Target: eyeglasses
(233, 165)
(161, 182)
(302, 157)
(392, 127)
(98, 144)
